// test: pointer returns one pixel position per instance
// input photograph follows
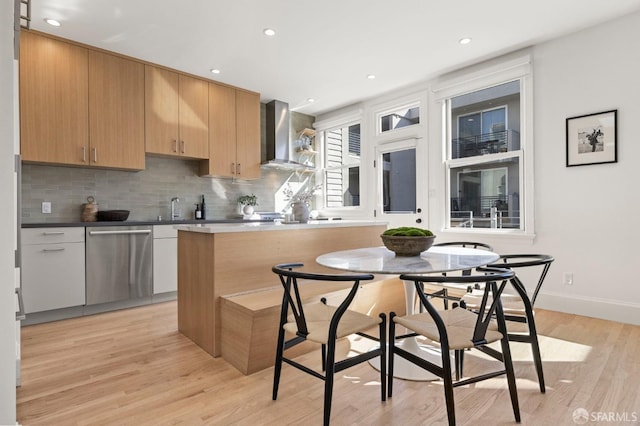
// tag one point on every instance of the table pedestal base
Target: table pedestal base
(403, 369)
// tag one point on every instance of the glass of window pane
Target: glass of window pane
(486, 121)
(486, 195)
(402, 117)
(399, 181)
(342, 167)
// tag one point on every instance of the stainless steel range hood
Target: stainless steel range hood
(277, 137)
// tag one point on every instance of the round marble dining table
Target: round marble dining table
(380, 260)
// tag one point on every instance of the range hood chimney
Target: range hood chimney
(277, 136)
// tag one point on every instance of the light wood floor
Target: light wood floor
(133, 367)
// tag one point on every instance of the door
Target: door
(401, 184)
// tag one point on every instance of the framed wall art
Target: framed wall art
(592, 139)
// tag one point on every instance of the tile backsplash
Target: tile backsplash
(147, 194)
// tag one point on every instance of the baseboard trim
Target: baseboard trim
(612, 310)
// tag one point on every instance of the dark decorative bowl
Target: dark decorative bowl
(112, 215)
(407, 246)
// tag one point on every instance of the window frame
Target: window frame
(339, 122)
(471, 80)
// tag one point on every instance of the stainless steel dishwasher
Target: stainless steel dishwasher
(119, 263)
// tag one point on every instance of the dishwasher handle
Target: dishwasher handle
(127, 232)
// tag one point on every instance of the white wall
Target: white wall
(8, 220)
(586, 216)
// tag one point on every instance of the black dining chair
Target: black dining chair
(454, 292)
(458, 329)
(324, 324)
(518, 308)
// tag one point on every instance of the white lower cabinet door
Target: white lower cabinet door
(53, 276)
(165, 259)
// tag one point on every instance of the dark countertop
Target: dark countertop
(134, 223)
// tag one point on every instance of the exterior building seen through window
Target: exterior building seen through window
(484, 158)
(342, 166)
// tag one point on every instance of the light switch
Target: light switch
(46, 207)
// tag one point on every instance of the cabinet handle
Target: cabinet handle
(95, 155)
(55, 249)
(183, 146)
(53, 233)
(239, 168)
(84, 154)
(20, 315)
(175, 145)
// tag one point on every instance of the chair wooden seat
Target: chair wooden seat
(460, 324)
(511, 303)
(318, 317)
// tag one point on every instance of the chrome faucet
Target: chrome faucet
(175, 214)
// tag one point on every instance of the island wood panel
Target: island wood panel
(116, 112)
(241, 261)
(54, 122)
(195, 288)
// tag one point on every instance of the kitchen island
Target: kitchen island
(228, 298)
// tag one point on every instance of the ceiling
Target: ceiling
(322, 49)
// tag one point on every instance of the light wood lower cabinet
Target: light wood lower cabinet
(53, 268)
(177, 114)
(234, 135)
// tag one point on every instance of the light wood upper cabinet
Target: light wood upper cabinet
(54, 124)
(248, 134)
(234, 134)
(176, 114)
(79, 106)
(222, 131)
(116, 112)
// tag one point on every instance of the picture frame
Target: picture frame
(592, 138)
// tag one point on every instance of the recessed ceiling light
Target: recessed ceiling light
(215, 71)
(52, 22)
(311, 100)
(371, 76)
(269, 32)
(465, 40)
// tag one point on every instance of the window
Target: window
(342, 166)
(398, 118)
(485, 172)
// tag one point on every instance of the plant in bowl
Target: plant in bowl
(407, 241)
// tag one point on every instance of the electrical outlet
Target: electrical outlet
(568, 278)
(46, 207)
